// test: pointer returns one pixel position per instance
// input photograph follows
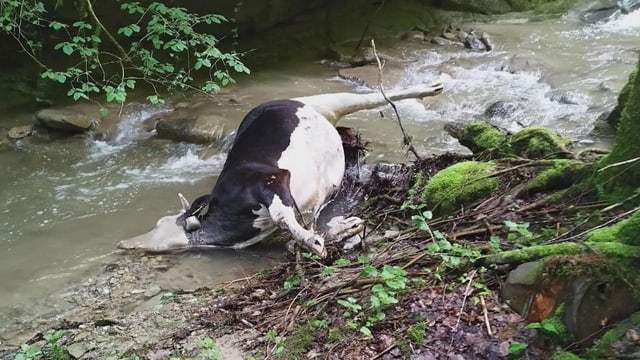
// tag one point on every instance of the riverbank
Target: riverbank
(428, 308)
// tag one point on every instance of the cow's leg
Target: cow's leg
(285, 217)
(345, 229)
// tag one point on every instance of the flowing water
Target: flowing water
(66, 203)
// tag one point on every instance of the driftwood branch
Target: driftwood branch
(406, 139)
(630, 161)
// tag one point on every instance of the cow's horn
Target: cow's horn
(184, 202)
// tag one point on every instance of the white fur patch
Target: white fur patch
(315, 160)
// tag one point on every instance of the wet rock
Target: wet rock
(5, 144)
(77, 350)
(20, 132)
(521, 284)
(594, 304)
(64, 119)
(569, 98)
(503, 109)
(473, 43)
(518, 64)
(415, 35)
(152, 291)
(486, 40)
(199, 129)
(441, 41)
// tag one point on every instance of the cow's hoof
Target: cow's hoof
(345, 229)
(315, 244)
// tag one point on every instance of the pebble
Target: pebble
(152, 291)
(76, 350)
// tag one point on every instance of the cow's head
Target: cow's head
(170, 232)
(208, 222)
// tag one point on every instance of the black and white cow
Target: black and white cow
(286, 163)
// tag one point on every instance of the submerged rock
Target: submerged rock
(20, 132)
(503, 109)
(64, 119)
(199, 129)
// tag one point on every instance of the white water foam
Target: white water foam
(627, 23)
(185, 168)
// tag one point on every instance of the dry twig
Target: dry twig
(406, 138)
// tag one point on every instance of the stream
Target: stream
(67, 203)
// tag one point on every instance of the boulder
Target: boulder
(64, 119)
(502, 109)
(194, 128)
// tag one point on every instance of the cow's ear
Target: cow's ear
(278, 180)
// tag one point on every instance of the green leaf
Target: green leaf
(365, 330)
(341, 262)
(328, 271)
(55, 25)
(515, 347)
(369, 271)
(104, 111)
(67, 49)
(363, 259)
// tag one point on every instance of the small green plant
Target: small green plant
(28, 352)
(391, 280)
(417, 331)
(320, 323)
(451, 255)
(56, 352)
(291, 282)
(208, 350)
(518, 231)
(516, 347)
(552, 326)
(278, 344)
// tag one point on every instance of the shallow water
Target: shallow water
(68, 202)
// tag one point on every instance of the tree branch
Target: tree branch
(113, 40)
(406, 138)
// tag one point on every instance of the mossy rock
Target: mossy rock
(486, 139)
(626, 231)
(459, 185)
(614, 117)
(562, 174)
(477, 136)
(618, 182)
(538, 143)
(603, 348)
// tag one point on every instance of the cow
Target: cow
(285, 164)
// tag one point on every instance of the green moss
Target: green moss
(618, 182)
(297, 344)
(626, 231)
(614, 117)
(416, 332)
(335, 334)
(610, 249)
(600, 349)
(479, 136)
(564, 355)
(538, 143)
(562, 174)
(459, 185)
